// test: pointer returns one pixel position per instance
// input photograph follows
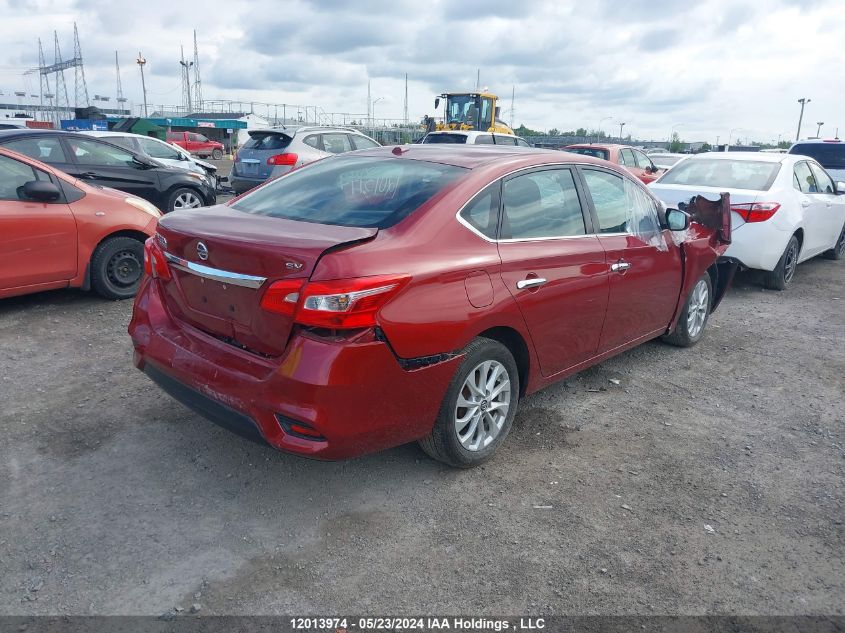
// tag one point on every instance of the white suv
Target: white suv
(467, 137)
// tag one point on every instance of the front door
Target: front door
(643, 261)
(108, 165)
(553, 265)
(39, 240)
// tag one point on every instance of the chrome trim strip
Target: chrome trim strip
(224, 276)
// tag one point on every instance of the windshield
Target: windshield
(351, 191)
(445, 138)
(462, 109)
(730, 174)
(595, 152)
(829, 155)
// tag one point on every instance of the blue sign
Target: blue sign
(79, 125)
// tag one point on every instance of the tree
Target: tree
(581, 131)
(705, 147)
(676, 144)
(554, 132)
(525, 131)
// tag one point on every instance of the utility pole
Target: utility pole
(197, 80)
(819, 128)
(141, 63)
(120, 99)
(477, 79)
(80, 86)
(513, 111)
(186, 82)
(803, 101)
(621, 125)
(406, 99)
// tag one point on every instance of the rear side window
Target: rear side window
(268, 141)
(541, 204)
(336, 143)
(482, 213)
(503, 139)
(352, 191)
(522, 142)
(313, 141)
(484, 139)
(47, 150)
(362, 142)
(595, 152)
(727, 173)
(829, 155)
(446, 138)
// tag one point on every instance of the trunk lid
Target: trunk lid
(251, 161)
(244, 253)
(672, 195)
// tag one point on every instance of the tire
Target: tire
(217, 154)
(838, 250)
(184, 198)
(784, 272)
(694, 316)
(116, 267)
(459, 443)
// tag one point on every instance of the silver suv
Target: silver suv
(272, 152)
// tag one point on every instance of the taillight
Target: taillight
(283, 159)
(336, 304)
(756, 211)
(154, 263)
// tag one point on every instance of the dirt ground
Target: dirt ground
(114, 499)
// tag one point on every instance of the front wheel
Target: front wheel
(478, 409)
(782, 275)
(694, 317)
(184, 198)
(116, 267)
(217, 154)
(838, 250)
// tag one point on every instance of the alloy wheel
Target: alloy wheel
(482, 406)
(187, 200)
(698, 306)
(790, 262)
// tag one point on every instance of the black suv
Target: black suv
(100, 163)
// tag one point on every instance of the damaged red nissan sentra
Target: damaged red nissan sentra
(416, 293)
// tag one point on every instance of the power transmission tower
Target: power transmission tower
(120, 98)
(81, 88)
(197, 79)
(44, 79)
(406, 98)
(186, 83)
(61, 103)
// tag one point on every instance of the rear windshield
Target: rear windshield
(657, 159)
(351, 191)
(730, 174)
(595, 152)
(267, 141)
(829, 155)
(446, 138)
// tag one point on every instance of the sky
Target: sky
(706, 69)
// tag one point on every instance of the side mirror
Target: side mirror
(677, 220)
(41, 190)
(436, 102)
(840, 188)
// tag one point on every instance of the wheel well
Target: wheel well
(138, 235)
(513, 340)
(799, 233)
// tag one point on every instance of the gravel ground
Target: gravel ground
(708, 480)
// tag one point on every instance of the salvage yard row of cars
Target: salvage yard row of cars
(412, 293)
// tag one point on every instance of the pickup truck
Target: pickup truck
(196, 144)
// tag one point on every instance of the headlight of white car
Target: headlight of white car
(143, 205)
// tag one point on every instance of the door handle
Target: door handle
(530, 283)
(620, 266)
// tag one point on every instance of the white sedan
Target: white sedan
(785, 208)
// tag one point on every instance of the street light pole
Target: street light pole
(373, 111)
(803, 101)
(621, 125)
(141, 62)
(672, 131)
(819, 128)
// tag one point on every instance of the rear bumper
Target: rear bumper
(241, 184)
(758, 245)
(355, 395)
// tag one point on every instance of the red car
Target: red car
(59, 232)
(414, 293)
(635, 161)
(197, 144)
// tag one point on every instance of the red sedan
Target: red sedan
(635, 161)
(59, 232)
(414, 293)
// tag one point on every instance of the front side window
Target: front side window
(482, 213)
(522, 142)
(541, 204)
(803, 179)
(157, 149)
(336, 143)
(642, 160)
(13, 175)
(823, 181)
(94, 153)
(486, 116)
(622, 206)
(462, 109)
(723, 172)
(352, 191)
(626, 157)
(47, 150)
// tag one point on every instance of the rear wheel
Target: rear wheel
(479, 406)
(217, 154)
(838, 250)
(696, 312)
(782, 275)
(116, 267)
(184, 198)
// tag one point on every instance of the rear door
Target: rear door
(553, 265)
(813, 208)
(39, 239)
(643, 261)
(108, 165)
